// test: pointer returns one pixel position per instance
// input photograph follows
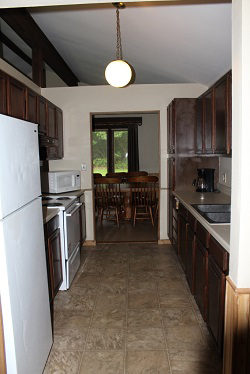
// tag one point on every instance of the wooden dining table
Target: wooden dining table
(125, 189)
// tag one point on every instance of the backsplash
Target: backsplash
(225, 174)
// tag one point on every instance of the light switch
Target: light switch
(84, 167)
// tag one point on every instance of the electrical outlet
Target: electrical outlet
(224, 177)
(84, 167)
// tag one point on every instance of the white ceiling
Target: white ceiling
(163, 43)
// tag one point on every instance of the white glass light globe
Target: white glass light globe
(118, 73)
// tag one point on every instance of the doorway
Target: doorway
(110, 153)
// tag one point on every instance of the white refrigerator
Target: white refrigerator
(23, 273)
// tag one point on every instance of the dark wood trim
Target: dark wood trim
(5, 40)
(116, 122)
(24, 25)
(38, 72)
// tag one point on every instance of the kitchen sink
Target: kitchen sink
(214, 213)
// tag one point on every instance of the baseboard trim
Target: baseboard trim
(89, 243)
(164, 241)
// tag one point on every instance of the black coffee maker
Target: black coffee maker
(205, 180)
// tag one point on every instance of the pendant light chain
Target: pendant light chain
(118, 37)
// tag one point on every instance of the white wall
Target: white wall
(239, 239)
(78, 103)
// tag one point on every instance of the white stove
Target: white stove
(69, 221)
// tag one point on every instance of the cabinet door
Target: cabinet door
(190, 258)
(208, 121)
(59, 125)
(171, 127)
(216, 301)
(31, 106)
(170, 216)
(55, 259)
(16, 93)
(3, 93)
(229, 112)
(184, 120)
(51, 118)
(221, 116)
(200, 286)
(182, 240)
(199, 126)
(41, 115)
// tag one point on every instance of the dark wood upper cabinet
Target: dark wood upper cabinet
(170, 127)
(208, 122)
(16, 94)
(31, 106)
(59, 125)
(3, 94)
(181, 118)
(214, 119)
(41, 114)
(51, 118)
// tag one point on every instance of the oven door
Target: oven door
(73, 228)
(73, 264)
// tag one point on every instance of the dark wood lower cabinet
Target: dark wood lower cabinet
(200, 284)
(53, 255)
(182, 240)
(190, 258)
(216, 301)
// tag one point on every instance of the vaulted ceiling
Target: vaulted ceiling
(163, 43)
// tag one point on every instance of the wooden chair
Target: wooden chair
(131, 174)
(143, 197)
(97, 175)
(108, 198)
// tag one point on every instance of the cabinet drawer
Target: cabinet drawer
(202, 234)
(183, 212)
(219, 254)
(52, 225)
(191, 221)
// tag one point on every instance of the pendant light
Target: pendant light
(118, 73)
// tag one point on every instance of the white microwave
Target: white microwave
(60, 181)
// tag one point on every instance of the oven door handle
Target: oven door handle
(78, 205)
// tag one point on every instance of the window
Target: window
(110, 151)
(115, 144)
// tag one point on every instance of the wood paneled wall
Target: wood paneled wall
(237, 330)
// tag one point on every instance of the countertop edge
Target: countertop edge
(49, 213)
(219, 231)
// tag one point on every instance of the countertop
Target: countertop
(221, 232)
(49, 213)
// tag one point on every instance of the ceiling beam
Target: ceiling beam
(5, 40)
(25, 26)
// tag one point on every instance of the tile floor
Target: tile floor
(129, 311)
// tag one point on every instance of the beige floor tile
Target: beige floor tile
(87, 279)
(111, 301)
(141, 286)
(147, 362)
(191, 361)
(109, 339)
(109, 318)
(183, 337)
(179, 317)
(117, 258)
(144, 317)
(140, 266)
(102, 363)
(113, 288)
(63, 362)
(71, 340)
(72, 320)
(116, 269)
(80, 302)
(169, 287)
(142, 276)
(138, 300)
(174, 301)
(142, 338)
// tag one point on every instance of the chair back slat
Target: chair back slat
(143, 190)
(107, 192)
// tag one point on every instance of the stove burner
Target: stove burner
(44, 198)
(63, 198)
(53, 204)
